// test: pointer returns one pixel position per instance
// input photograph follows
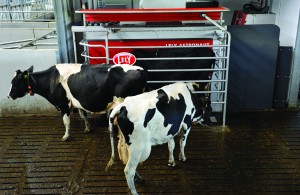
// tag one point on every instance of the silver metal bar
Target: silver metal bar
(74, 48)
(155, 47)
(18, 41)
(203, 92)
(28, 20)
(83, 42)
(189, 81)
(34, 40)
(221, 18)
(138, 29)
(226, 77)
(83, 15)
(89, 45)
(183, 58)
(106, 48)
(187, 70)
(217, 102)
(213, 22)
(145, 11)
(45, 44)
(21, 11)
(83, 54)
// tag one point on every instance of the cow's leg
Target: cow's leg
(171, 146)
(66, 120)
(145, 154)
(112, 145)
(130, 169)
(83, 115)
(183, 139)
(138, 178)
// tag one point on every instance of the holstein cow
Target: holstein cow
(154, 118)
(88, 88)
(176, 64)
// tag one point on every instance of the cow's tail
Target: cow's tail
(111, 127)
(122, 148)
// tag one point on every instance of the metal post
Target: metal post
(226, 77)
(63, 11)
(106, 48)
(295, 73)
(75, 49)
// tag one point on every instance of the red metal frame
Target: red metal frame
(151, 15)
(100, 52)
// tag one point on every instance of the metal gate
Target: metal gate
(99, 45)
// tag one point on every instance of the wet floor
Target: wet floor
(258, 153)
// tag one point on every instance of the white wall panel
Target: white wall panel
(287, 13)
(12, 60)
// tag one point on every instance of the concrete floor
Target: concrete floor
(258, 153)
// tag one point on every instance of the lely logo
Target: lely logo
(124, 58)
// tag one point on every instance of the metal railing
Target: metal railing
(33, 42)
(100, 39)
(26, 10)
(220, 46)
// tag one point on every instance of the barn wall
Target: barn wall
(287, 18)
(18, 31)
(41, 57)
(12, 60)
(287, 14)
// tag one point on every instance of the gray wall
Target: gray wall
(14, 59)
(25, 31)
(287, 15)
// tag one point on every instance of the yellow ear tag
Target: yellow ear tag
(25, 76)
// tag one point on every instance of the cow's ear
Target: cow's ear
(18, 72)
(30, 70)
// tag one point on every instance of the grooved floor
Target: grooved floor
(257, 153)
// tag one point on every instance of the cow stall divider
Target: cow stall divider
(122, 31)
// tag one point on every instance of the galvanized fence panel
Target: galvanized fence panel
(221, 46)
(26, 10)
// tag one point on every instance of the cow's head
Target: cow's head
(206, 110)
(203, 114)
(20, 84)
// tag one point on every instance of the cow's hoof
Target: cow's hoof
(87, 130)
(132, 193)
(171, 164)
(65, 138)
(183, 159)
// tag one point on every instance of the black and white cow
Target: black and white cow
(88, 88)
(158, 64)
(154, 118)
